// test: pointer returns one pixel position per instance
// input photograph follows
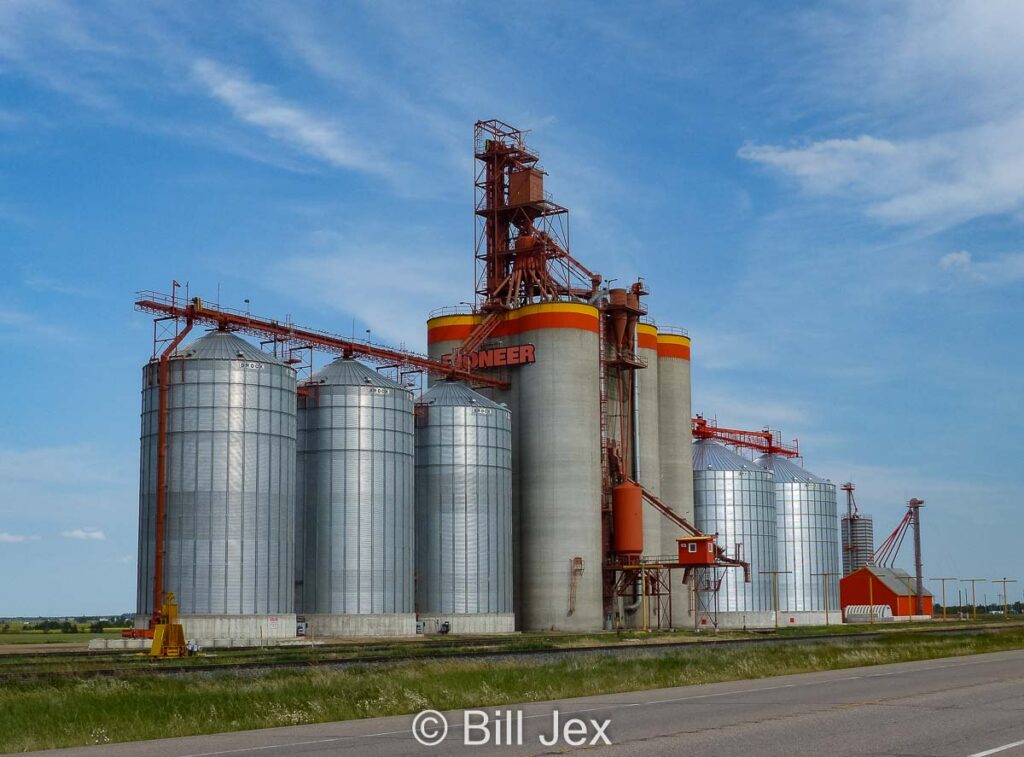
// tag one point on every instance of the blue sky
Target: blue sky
(829, 196)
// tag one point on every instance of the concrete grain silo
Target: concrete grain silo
(735, 499)
(463, 511)
(556, 455)
(649, 459)
(675, 451)
(230, 490)
(807, 534)
(354, 540)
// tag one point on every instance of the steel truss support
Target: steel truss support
(705, 583)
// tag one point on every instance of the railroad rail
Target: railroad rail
(456, 647)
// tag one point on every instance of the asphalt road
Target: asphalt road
(954, 706)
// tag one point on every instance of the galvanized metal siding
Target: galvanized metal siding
(735, 499)
(808, 537)
(510, 398)
(230, 480)
(808, 543)
(463, 503)
(356, 447)
(863, 542)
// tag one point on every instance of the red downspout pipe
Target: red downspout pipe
(161, 468)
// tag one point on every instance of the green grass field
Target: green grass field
(45, 713)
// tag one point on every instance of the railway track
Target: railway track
(341, 646)
(461, 648)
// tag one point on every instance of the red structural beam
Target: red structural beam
(885, 556)
(766, 442)
(721, 559)
(161, 472)
(289, 333)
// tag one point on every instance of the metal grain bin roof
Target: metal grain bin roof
(456, 394)
(787, 472)
(709, 455)
(348, 372)
(223, 345)
(896, 580)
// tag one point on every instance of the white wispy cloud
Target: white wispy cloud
(1002, 269)
(6, 538)
(917, 111)
(390, 283)
(955, 261)
(402, 110)
(259, 105)
(42, 283)
(952, 60)
(71, 494)
(55, 44)
(84, 534)
(734, 410)
(44, 489)
(21, 325)
(10, 119)
(829, 165)
(939, 180)
(73, 467)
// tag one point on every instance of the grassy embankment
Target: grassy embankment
(68, 712)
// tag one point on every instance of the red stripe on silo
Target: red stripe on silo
(456, 332)
(679, 351)
(531, 322)
(537, 321)
(646, 341)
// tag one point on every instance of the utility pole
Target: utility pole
(915, 506)
(1006, 602)
(775, 589)
(824, 586)
(943, 579)
(974, 596)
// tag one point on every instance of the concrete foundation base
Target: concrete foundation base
(225, 643)
(343, 626)
(745, 620)
(471, 623)
(120, 643)
(254, 629)
(763, 620)
(789, 619)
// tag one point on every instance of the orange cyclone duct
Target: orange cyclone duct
(628, 519)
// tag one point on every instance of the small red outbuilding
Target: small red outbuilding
(882, 586)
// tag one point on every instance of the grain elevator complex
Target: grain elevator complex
(539, 469)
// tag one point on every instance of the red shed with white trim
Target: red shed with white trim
(872, 585)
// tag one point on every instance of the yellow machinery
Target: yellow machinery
(169, 634)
